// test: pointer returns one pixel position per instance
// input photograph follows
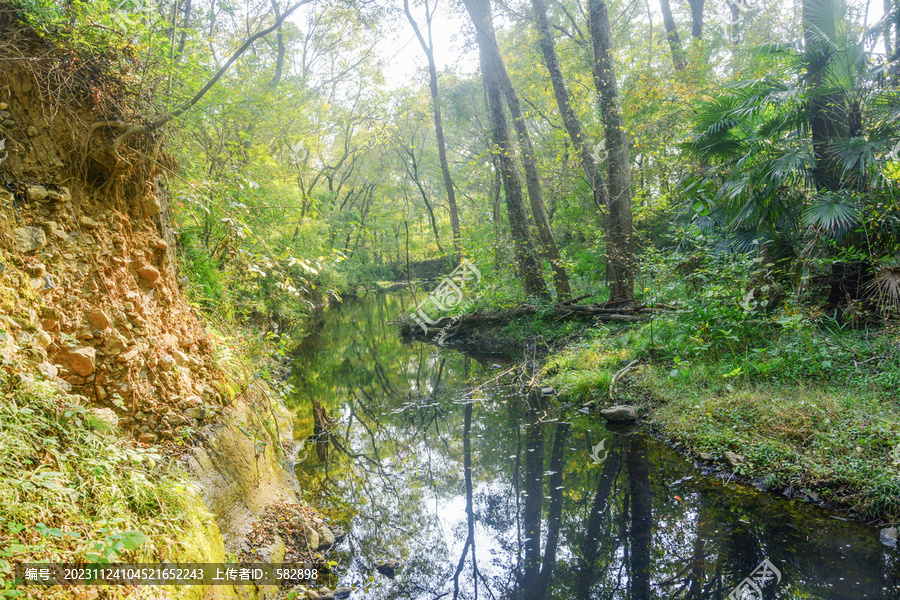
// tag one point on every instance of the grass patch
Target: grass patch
(803, 436)
(807, 406)
(71, 492)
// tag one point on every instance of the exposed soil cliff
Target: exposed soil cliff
(89, 297)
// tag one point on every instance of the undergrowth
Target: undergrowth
(739, 364)
(72, 490)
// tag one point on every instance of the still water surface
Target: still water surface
(539, 517)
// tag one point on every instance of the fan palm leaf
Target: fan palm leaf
(831, 214)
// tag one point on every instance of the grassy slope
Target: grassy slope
(74, 490)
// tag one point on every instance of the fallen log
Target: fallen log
(445, 328)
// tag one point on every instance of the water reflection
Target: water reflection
(494, 494)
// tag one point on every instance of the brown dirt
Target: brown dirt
(97, 305)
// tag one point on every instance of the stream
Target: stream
(548, 512)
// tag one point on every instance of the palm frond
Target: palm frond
(885, 286)
(832, 214)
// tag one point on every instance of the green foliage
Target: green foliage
(70, 492)
(766, 185)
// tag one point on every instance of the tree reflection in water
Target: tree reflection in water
(492, 493)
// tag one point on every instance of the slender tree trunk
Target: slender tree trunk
(570, 119)
(678, 57)
(279, 38)
(696, 18)
(735, 27)
(619, 226)
(895, 56)
(428, 49)
(597, 532)
(887, 30)
(533, 184)
(184, 31)
(414, 175)
(554, 510)
(534, 496)
(530, 270)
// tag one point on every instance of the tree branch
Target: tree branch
(131, 130)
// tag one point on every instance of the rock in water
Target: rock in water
(889, 537)
(29, 239)
(388, 568)
(326, 537)
(620, 414)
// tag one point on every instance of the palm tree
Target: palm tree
(806, 154)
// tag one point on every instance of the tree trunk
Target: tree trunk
(279, 39)
(827, 110)
(619, 226)
(533, 184)
(696, 18)
(641, 517)
(678, 57)
(895, 56)
(599, 538)
(734, 27)
(554, 511)
(529, 268)
(887, 30)
(534, 496)
(428, 49)
(570, 119)
(414, 175)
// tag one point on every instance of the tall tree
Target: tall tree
(480, 13)
(533, 183)
(696, 18)
(827, 107)
(678, 56)
(619, 225)
(428, 49)
(570, 119)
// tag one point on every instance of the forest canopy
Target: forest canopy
(311, 159)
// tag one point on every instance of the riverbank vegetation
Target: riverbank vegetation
(807, 402)
(74, 490)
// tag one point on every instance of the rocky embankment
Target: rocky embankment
(89, 296)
